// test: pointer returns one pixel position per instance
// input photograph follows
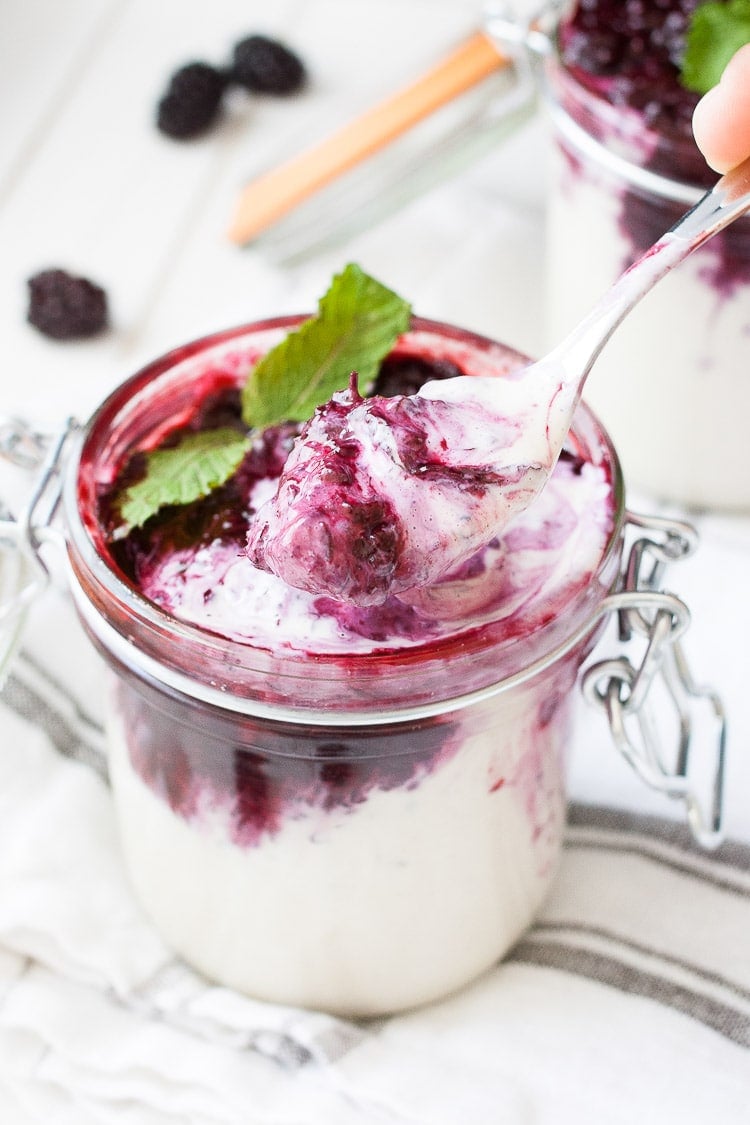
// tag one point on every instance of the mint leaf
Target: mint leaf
(716, 32)
(183, 473)
(358, 322)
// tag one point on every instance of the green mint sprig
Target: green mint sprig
(716, 31)
(357, 324)
(183, 473)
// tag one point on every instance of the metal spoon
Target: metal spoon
(566, 368)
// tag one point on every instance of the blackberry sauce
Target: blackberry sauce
(193, 757)
(630, 54)
(225, 513)
(334, 528)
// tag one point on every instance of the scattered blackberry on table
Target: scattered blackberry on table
(192, 101)
(66, 307)
(193, 98)
(266, 66)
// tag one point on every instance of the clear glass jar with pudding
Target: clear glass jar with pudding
(356, 809)
(672, 385)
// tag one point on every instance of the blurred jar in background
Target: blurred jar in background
(673, 384)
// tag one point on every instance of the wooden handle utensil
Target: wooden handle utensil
(269, 197)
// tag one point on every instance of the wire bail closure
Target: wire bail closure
(532, 37)
(625, 690)
(23, 571)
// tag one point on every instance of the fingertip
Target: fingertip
(721, 119)
(738, 67)
(708, 130)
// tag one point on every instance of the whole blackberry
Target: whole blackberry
(266, 66)
(192, 101)
(65, 307)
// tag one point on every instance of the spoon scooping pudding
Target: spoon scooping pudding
(380, 497)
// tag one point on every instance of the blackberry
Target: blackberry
(629, 53)
(192, 101)
(404, 375)
(65, 307)
(266, 66)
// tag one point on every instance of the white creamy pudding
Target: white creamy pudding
(370, 889)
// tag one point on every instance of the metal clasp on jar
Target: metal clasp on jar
(626, 689)
(23, 571)
(532, 36)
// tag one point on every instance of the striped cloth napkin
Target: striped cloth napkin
(629, 1000)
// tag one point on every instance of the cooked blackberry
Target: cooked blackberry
(630, 53)
(65, 307)
(192, 101)
(266, 66)
(404, 375)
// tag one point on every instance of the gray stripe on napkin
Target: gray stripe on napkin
(667, 845)
(714, 979)
(31, 705)
(180, 997)
(721, 1017)
(654, 828)
(676, 862)
(51, 681)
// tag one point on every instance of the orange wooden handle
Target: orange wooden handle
(271, 196)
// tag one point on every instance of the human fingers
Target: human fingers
(721, 122)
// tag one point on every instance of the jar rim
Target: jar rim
(179, 683)
(97, 587)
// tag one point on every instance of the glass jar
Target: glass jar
(360, 832)
(358, 827)
(671, 385)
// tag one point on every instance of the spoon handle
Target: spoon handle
(726, 201)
